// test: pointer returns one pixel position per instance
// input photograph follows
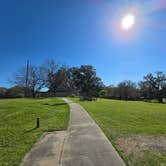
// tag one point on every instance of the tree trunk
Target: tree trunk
(33, 94)
(160, 99)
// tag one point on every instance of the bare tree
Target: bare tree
(127, 90)
(113, 92)
(50, 69)
(35, 81)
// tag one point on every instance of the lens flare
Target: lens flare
(128, 21)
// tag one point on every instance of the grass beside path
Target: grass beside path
(137, 129)
(18, 122)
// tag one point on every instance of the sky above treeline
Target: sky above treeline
(83, 32)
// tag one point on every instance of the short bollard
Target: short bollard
(37, 122)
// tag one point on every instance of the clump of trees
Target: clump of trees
(126, 90)
(81, 81)
(14, 92)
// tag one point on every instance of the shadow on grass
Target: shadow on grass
(57, 104)
(30, 130)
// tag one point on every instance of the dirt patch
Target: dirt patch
(135, 146)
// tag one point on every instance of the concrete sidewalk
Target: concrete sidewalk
(47, 151)
(86, 144)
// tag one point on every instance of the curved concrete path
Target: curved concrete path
(86, 144)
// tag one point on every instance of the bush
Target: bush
(103, 93)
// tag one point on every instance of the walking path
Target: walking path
(84, 144)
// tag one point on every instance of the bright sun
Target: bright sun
(128, 21)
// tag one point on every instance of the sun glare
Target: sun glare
(128, 21)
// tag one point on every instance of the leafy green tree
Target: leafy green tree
(86, 81)
(154, 86)
(103, 93)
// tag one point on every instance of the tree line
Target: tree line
(153, 86)
(82, 81)
(30, 80)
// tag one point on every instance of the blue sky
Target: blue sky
(79, 32)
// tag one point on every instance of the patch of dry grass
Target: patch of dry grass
(136, 147)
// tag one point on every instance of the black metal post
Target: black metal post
(37, 122)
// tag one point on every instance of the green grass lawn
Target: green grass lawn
(135, 128)
(18, 122)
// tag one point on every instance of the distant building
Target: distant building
(62, 91)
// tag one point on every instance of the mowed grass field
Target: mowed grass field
(136, 129)
(18, 125)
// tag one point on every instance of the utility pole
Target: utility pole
(26, 79)
(27, 74)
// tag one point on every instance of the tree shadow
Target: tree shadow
(30, 130)
(56, 104)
